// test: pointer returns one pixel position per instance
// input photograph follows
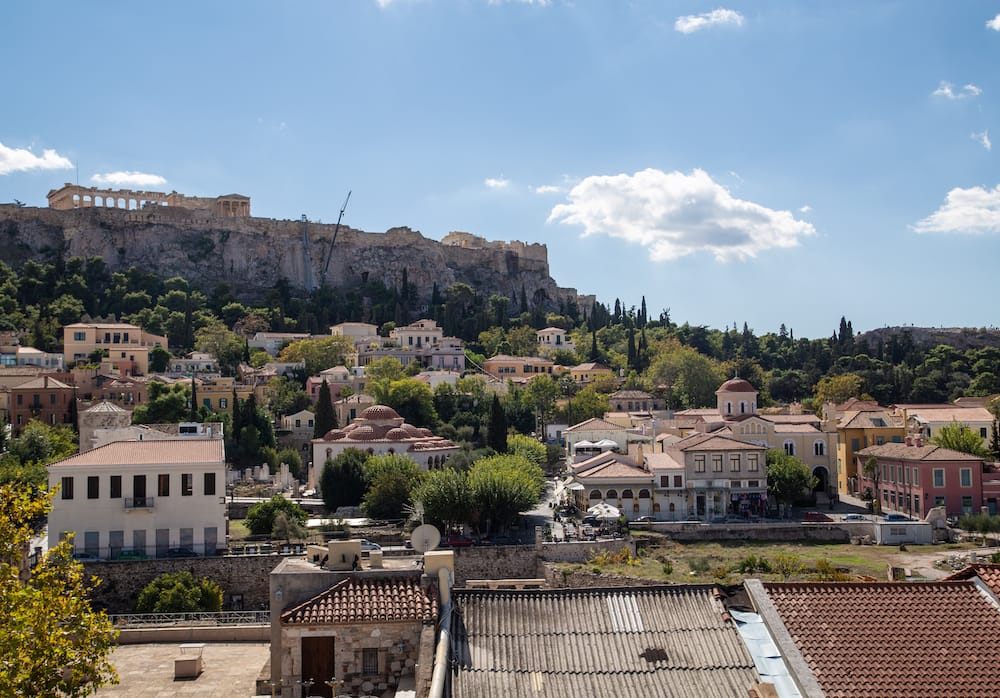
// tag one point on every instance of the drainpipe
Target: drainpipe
(444, 636)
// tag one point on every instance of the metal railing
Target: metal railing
(161, 620)
(138, 503)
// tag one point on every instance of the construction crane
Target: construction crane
(336, 229)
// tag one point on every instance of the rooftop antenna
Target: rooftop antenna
(333, 241)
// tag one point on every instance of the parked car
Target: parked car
(132, 555)
(367, 546)
(85, 556)
(181, 552)
(816, 517)
(854, 517)
(896, 517)
(646, 519)
(591, 520)
(498, 540)
(457, 540)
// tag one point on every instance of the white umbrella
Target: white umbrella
(604, 511)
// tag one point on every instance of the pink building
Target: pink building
(914, 477)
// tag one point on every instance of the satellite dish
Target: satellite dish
(425, 537)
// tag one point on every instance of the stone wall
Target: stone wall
(817, 533)
(122, 581)
(500, 562)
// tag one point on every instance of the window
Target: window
(965, 475)
(753, 483)
(967, 504)
(939, 477)
(916, 477)
(209, 483)
(699, 464)
(627, 494)
(939, 501)
(664, 481)
(753, 465)
(369, 659)
(790, 448)
(982, 432)
(612, 494)
(879, 440)
(79, 336)
(224, 404)
(819, 448)
(717, 463)
(595, 494)
(116, 486)
(187, 484)
(855, 444)
(93, 487)
(734, 463)
(163, 485)
(67, 488)
(678, 480)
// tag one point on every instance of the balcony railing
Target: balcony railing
(150, 620)
(138, 503)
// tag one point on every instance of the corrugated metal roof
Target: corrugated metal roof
(643, 642)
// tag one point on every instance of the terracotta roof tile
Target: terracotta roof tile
(894, 639)
(367, 600)
(989, 574)
(926, 452)
(161, 452)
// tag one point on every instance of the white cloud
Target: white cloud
(947, 90)
(805, 209)
(129, 179)
(983, 139)
(975, 210)
(994, 24)
(22, 160)
(548, 189)
(692, 23)
(674, 214)
(497, 182)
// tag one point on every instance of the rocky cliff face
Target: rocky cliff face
(252, 254)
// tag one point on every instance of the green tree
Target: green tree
(165, 404)
(36, 446)
(496, 433)
(392, 479)
(343, 481)
(291, 458)
(414, 402)
(318, 354)
(788, 478)
(871, 470)
(224, 345)
(159, 359)
(325, 418)
(446, 497)
(502, 487)
(958, 437)
(180, 592)
(285, 396)
(531, 449)
(585, 404)
(837, 389)
(541, 393)
(53, 643)
(287, 528)
(260, 517)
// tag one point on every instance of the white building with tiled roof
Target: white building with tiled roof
(144, 498)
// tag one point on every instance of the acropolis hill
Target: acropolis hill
(214, 240)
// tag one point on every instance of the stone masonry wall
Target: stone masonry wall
(122, 581)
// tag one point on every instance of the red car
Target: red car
(457, 540)
(816, 517)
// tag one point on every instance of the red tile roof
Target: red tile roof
(894, 639)
(989, 574)
(367, 600)
(180, 451)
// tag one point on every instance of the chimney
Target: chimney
(918, 440)
(909, 440)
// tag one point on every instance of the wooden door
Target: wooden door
(317, 664)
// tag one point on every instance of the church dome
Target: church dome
(736, 385)
(333, 435)
(379, 413)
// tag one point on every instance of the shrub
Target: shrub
(787, 565)
(753, 564)
(699, 565)
(179, 592)
(668, 568)
(826, 572)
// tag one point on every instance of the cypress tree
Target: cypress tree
(326, 418)
(496, 435)
(193, 414)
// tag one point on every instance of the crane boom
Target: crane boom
(333, 241)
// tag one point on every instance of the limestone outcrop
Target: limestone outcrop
(252, 254)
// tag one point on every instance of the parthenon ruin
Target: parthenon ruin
(71, 196)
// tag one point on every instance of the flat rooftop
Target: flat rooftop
(147, 671)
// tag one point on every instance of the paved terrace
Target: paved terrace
(147, 671)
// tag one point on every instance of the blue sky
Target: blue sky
(766, 162)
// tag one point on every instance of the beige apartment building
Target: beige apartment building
(127, 345)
